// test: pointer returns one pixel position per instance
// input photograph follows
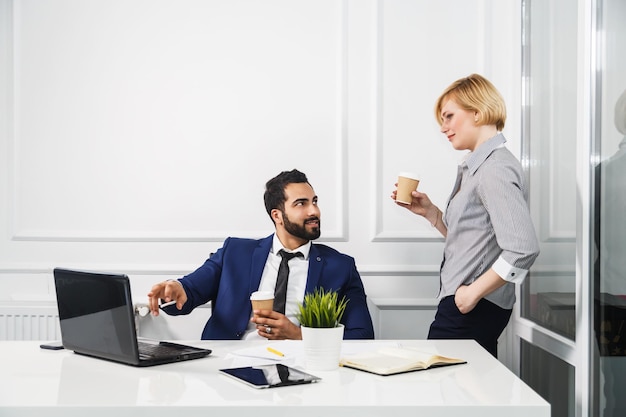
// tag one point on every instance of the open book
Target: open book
(396, 360)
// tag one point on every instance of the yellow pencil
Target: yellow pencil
(274, 351)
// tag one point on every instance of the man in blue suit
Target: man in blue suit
(243, 266)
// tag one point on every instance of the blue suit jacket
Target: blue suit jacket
(234, 272)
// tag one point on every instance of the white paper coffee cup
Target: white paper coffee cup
(262, 300)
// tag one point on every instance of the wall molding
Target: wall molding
(180, 269)
(19, 233)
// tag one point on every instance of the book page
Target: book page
(407, 353)
(439, 360)
(384, 363)
(427, 359)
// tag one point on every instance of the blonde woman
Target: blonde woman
(490, 240)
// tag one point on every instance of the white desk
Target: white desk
(38, 382)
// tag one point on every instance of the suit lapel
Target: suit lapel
(259, 257)
(316, 265)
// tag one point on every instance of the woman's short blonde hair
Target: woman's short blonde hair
(475, 93)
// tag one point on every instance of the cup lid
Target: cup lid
(262, 295)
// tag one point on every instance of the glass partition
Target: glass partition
(561, 48)
(550, 377)
(609, 189)
(550, 94)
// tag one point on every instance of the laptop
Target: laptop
(97, 319)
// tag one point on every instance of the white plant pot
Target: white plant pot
(322, 347)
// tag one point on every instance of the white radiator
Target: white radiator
(29, 322)
(40, 321)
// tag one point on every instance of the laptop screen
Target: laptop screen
(95, 312)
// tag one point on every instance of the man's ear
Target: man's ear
(277, 216)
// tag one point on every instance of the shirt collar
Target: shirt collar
(475, 159)
(304, 249)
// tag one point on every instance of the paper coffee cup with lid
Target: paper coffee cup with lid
(262, 300)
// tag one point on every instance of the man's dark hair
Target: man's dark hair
(274, 195)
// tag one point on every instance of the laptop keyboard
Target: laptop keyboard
(152, 350)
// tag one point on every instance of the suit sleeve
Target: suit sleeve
(201, 285)
(356, 318)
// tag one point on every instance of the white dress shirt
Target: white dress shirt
(298, 272)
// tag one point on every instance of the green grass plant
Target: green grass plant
(321, 309)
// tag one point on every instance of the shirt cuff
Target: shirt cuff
(508, 272)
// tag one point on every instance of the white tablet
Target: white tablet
(270, 376)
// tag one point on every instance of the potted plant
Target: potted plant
(322, 333)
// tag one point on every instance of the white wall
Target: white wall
(137, 135)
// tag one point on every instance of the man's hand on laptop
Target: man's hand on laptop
(166, 292)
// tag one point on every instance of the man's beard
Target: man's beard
(301, 230)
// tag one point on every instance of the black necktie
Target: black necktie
(280, 293)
